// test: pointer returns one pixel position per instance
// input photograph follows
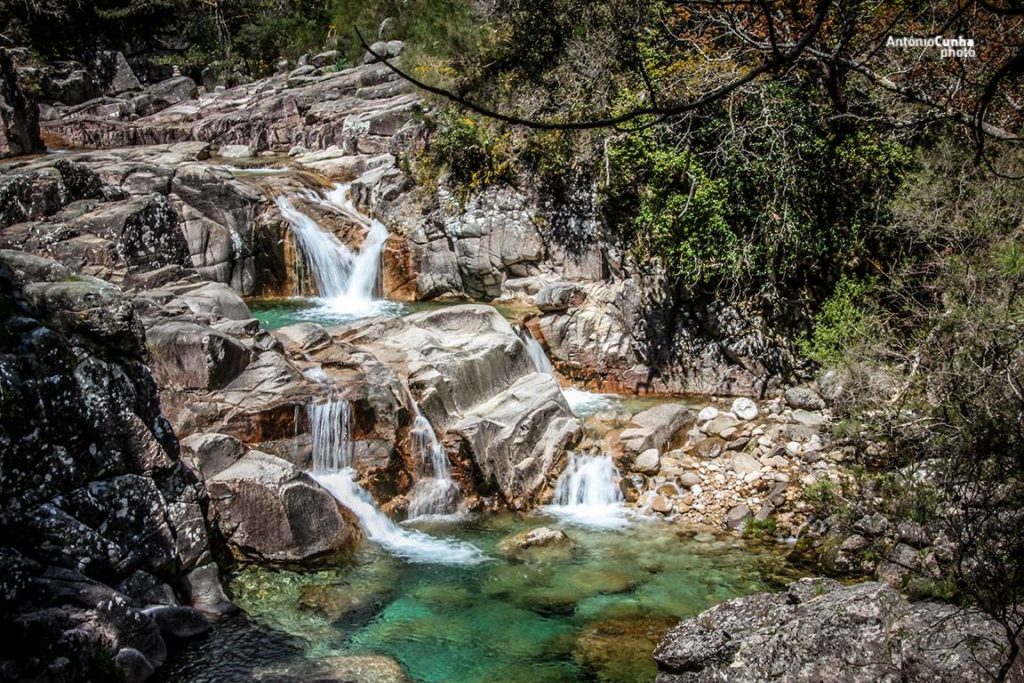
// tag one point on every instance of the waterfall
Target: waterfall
(330, 424)
(536, 351)
(345, 280)
(436, 493)
(582, 403)
(330, 432)
(588, 493)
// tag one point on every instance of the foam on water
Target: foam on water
(409, 544)
(587, 403)
(330, 433)
(587, 493)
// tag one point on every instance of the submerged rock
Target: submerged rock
(541, 537)
(618, 649)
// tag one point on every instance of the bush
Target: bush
(764, 529)
(668, 209)
(474, 156)
(842, 321)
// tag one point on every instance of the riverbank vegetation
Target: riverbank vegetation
(867, 194)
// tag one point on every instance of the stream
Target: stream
(441, 594)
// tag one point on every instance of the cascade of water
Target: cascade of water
(436, 493)
(536, 351)
(330, 432)
(588, 493)
(582, 403)
(330, 425)
(346, 280)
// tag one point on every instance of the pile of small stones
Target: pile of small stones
(747, 464)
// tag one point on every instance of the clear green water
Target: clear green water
(277, 313)
(592, 612)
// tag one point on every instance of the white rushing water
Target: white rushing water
(346, 281)
(330, 430)
(436, 493)
(587, 492)
(536, 351)
(582, 403)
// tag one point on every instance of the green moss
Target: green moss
(765, 528)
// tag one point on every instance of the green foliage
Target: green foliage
(944, 589)
(821, 493)
(842, 321)
(431, 28)
(474, 155)
(764, 529)
(669, 208)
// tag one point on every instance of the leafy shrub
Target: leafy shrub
(475, 156)
(765, 528)
(842, 320)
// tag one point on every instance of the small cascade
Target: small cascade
(587, 492)
(436, 493)
(536, 351)
(330, 424)
(582, 403)
(330, 431)
(345, 280)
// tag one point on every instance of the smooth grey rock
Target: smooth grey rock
(540, 537)
(269, 510)
(661, 427)
(818, 628)
(212, 453)
(648, 462)
(745, 464)
(304, 337)
(807, 418)
(736, 517)
(165, 94)
(235, 152)
(132, 665)
(803, 398)
(214, 299)
(719, 424)
(178, 623)
(191, 356)
(744, 409)
(689, 479)
(559, 297)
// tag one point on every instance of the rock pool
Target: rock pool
(589, 611)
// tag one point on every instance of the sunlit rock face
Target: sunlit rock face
(819, 626)
(99, 515)
(124, 213)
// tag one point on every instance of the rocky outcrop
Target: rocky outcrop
(660, 428)
(118, 213)
(267, 509)
(819, 629)
(507, 426)
(100, 517)
(19, 112)
(493, 246)
(630, 335)
(517, 438)
(357, 111)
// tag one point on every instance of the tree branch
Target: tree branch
(673, 109)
